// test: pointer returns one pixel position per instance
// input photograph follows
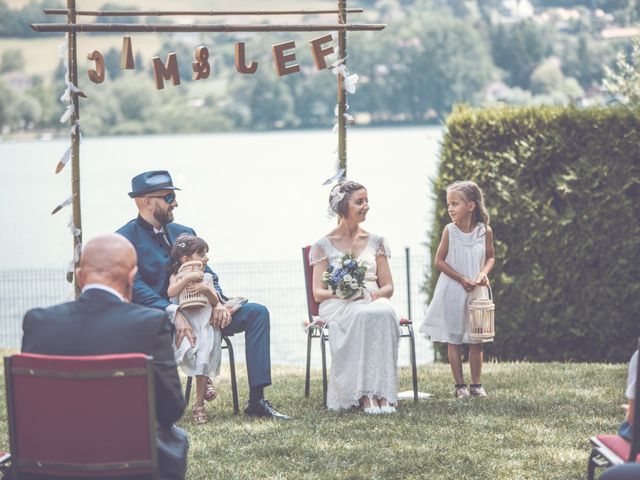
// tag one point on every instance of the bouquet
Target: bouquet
(347, 278)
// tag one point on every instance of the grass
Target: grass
(535, 425)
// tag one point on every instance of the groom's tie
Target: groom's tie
(162, 239)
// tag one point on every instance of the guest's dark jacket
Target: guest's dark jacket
(152, 280)
(99, 323)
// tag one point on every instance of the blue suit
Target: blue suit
(152, 280)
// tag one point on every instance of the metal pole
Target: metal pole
(342, 94)
(203, 27)
(407, 260)
(75, 139)
(191, 13)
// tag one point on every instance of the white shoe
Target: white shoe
(387, 409)
(372, 410)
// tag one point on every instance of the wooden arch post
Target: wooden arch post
(72, 58)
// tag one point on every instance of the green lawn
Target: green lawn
(535, 425)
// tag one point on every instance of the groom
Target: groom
(152, 233)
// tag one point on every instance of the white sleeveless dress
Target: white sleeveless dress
(447, 316)
(363, 335)
(204, 358)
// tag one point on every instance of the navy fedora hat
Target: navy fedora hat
(152, 181)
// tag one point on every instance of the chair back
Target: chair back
(312, 305)
(72, 416)
(635, 438)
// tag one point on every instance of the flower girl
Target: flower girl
(203, 360)
(465, 257)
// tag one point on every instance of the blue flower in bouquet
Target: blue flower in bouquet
(346, 279)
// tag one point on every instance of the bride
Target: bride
(364, 332)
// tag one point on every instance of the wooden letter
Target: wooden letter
(126, 59)
(281, 58)
(319, 53)
(97, 75)
(201, 67)
(165, 72)
(241, 65)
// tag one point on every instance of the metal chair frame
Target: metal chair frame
(601, 455)
(232, 367)
(45, 370)
(319, 330)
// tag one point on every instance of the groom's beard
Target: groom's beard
(163, 216)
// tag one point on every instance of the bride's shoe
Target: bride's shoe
(386, 408)
(371, 409)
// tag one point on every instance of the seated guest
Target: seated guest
(152, 234)
(102, 321)
(626, 428)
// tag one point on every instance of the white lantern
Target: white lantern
(187, 299)
(481, 318)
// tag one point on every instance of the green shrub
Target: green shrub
(562, 187)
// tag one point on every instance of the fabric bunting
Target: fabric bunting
(63, 204)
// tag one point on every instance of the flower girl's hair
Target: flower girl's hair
(471, 192)
(340, 195)
(186, 245)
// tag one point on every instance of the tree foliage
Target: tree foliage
(623, 80)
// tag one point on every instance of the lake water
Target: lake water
(255, 197)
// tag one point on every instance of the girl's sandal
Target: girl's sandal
(210, 394)
(199, 415)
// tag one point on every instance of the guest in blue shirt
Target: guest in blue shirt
(152, 233)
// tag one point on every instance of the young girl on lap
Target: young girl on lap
(203, 360)
(465, 257)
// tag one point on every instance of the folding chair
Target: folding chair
(89, 416)
(609, 450)
(318, 330)
(232, 367)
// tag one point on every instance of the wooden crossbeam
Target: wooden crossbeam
(226, 28)
(192, 13)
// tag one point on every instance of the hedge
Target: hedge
(562, 186)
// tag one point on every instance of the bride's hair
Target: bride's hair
(340, 195)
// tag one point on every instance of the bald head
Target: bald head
(108, 260)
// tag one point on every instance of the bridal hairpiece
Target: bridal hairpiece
(335, 197)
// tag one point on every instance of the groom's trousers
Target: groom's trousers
(253, 320)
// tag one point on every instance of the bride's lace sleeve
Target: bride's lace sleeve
(316, 254)
(382, 247)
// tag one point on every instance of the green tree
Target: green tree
(623, 80)
(117, 19)
(428, 64)
(518, 49)
(12, 60)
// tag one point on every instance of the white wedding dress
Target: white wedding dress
(363, 335)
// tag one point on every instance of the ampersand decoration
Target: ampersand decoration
(201, 68)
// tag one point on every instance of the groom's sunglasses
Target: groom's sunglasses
(169, 197)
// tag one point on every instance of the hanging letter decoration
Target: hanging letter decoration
(320, 53)
(97, 75)
(168, 71)
(201, 67)
(280, 57)
(241, 63)
(126, 59)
